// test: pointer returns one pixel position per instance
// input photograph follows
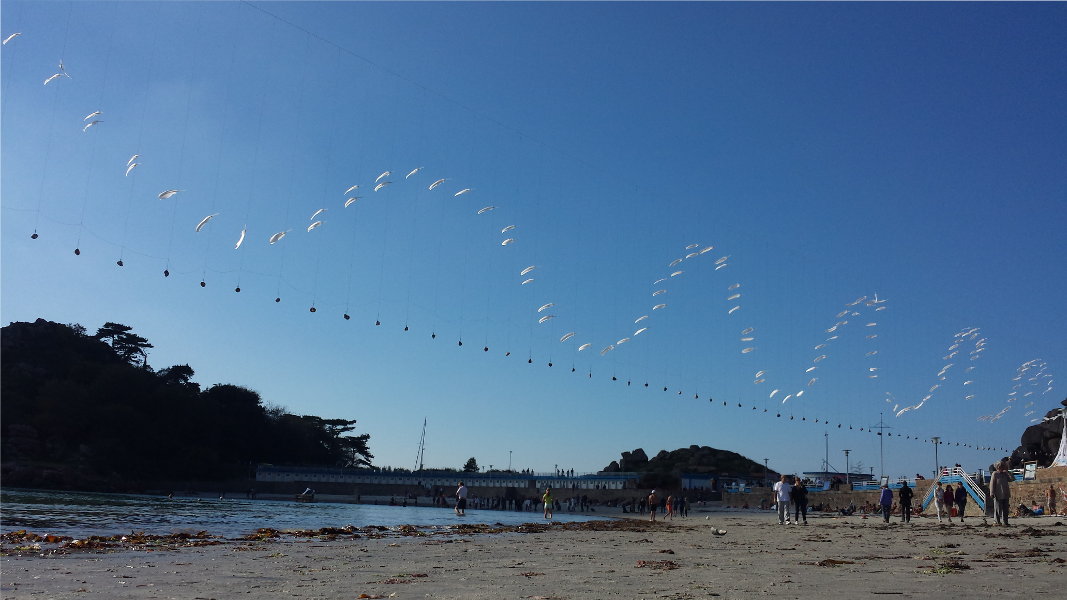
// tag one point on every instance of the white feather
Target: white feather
(204, 221)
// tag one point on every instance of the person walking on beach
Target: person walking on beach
(783, 495)
(1000, 490)
(547, 500)
(461, 500)
(886, 501)
(961, 500)
(653, 504)
(905, 494)
(668, 507)
(800, 500)
(950, 499)
(939, 495)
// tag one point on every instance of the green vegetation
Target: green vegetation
(84, 411)
(665, 468)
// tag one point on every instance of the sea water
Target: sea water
(81, 514)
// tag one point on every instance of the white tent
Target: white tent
(1061, 456)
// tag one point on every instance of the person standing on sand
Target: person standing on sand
(461, 500)
(939, 495)
(653, 504)
(783, 495)
(905, 494)
(949, 499)
(668, 508)
(800, 500)
(547, 500)
(961, 500)
(1000, 490)
(886, 502)
(1050, 499)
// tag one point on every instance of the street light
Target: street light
(509, 460)
(937, 464)
(846, 467)
(765, 472)
(826, 460)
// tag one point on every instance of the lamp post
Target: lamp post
(765, 472)
(826, 460)
(937, 464)
(509, 460)
(847, 484)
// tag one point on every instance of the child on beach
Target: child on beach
(949, 499)
(547, 499)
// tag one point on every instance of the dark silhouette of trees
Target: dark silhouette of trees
(471, 466)
(85, 412)
(131, 347)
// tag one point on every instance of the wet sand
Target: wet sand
(832, 557)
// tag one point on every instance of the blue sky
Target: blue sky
(829, 152)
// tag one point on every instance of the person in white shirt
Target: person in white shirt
(461, 500)
(783, 495)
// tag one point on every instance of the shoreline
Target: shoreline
(625, 557)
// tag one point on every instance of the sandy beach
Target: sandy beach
(832, 557)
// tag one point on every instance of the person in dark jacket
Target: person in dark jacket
(800, 501)
(961, 500)
(905, 494)
(949, 500)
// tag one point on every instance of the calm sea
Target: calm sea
(80, 514)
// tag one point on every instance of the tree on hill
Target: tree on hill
(85, 412)
(664, 469)
(471, 466)
(128, 345)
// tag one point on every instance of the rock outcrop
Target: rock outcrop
(1040, 441)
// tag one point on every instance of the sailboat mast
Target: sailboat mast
(422, 447)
